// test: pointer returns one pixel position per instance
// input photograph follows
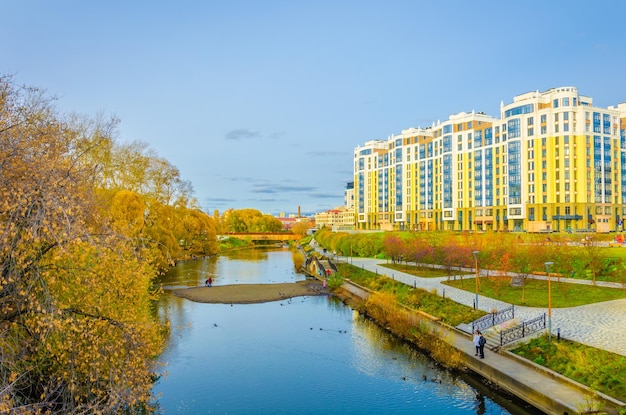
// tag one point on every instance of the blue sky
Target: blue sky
(261, 103)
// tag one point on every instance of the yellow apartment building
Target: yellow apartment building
(551, 162)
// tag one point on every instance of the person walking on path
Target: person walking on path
(477, 335)
(209, 282)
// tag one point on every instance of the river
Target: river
(307, 355)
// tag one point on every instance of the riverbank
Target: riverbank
(251, 293)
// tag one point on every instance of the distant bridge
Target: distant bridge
(262, 236)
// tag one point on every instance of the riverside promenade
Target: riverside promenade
(544, 389)
(600, 325)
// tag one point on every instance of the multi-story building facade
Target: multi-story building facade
(338, 219)
(551, 162)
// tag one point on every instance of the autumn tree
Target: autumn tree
(595, 259)
(195, 231)
(500, 277)
(417, 250)
(249, 221)
(454, 255)
(521, 265)
(76, 331)
(300, 228)
(393, 247)
(132, 181)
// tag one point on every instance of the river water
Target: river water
(307, 355)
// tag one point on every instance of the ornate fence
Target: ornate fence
(524, 329)
(492, 319)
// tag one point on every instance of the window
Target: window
(523, 109)
(606, 121)
(514, 128)
(596, 122)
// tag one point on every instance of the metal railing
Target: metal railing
(492, 319)
(524, 329)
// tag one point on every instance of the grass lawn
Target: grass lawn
(534, 293)
(600, 370)
(447, 310)
(424, 272)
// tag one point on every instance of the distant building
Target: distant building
(287, 222)
(338, 219)
(551, 161)
(349, 195)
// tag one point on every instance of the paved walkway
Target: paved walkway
(601, 325)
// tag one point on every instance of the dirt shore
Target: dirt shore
(251, 293)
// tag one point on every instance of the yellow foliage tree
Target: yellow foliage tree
(127, 213)
(249, 221)
(301, 228)
(76, 331)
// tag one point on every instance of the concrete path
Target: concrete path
(600, 325)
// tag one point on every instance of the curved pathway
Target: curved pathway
(600, 325)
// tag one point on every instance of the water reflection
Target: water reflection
(249, 266)
(307, 355)
(254, 255)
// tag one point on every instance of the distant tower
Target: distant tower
(298, 211)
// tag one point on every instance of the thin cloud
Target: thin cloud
(327, 195)
(219, 200)
(277, 135)
(237, 178)
(245, 134)
(242, 134)
(273, 189)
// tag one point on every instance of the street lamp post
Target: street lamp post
(350, 252)
(548, 266)
(475, 253)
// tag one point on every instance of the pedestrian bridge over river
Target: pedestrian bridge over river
(262, 236)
